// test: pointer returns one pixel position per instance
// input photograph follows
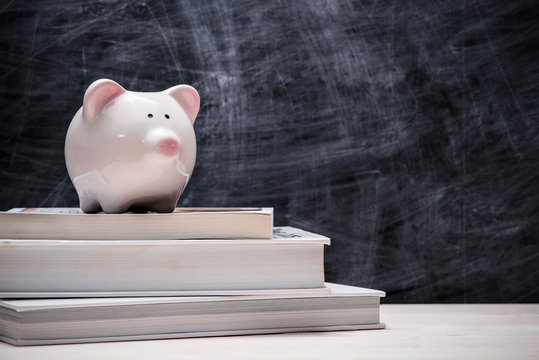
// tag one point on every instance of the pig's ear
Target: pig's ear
(188, 98)
(98, 95)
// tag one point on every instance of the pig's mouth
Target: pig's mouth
(180, 166)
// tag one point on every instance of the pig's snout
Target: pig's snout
(169, 147)
(164, 142)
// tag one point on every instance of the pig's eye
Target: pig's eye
(166, 116)
(150, 116)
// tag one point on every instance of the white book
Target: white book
(293, 259)
(58, 321)
(182, 223)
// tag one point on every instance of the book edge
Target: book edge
(329, 289)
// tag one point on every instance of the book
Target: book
(293, 259)
(59, 321)
(182, 223)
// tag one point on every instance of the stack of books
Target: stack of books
(70, 277)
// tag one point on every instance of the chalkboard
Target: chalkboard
(406, 131)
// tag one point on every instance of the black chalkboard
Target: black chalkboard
(407, 131)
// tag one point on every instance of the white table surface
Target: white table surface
(413, 332)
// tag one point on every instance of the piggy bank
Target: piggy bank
(132, 150)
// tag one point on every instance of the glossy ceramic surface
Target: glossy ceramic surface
(129, 149)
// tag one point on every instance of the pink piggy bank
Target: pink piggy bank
(128, 149)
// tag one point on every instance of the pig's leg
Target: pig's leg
(112, 206)
(85, 185)
(89, 205)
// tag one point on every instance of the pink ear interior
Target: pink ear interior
(98, 95)
(188, 98)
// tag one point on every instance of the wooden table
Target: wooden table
(413, 332)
